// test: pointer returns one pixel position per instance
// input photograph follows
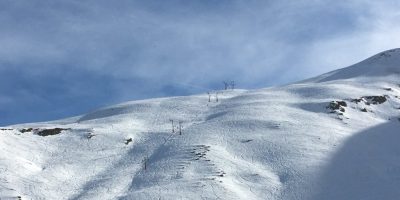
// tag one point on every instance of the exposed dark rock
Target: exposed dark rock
(24, 130)
(342, 103)
(221, 175)
(364, 110)
(388, 89)
(47, 132)
(356, 100)
(90, 135)
(128, 141)
(368, 100)
(246, 141)
(337, 105)
(376, 99)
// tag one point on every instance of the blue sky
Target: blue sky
(64, 58)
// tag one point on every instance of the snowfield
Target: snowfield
(335, 136)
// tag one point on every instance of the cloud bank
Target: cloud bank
(63, 58)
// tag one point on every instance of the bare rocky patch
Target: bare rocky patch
(371, 100)
(337, 106)
(48, 132)
(25, 130)
(6, 129)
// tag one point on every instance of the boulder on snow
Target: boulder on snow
(127, 141)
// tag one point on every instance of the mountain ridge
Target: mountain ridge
(385, 63)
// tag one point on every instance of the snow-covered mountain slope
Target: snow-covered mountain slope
(332, 137)
(385, 64)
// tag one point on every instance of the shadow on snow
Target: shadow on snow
(366, 167)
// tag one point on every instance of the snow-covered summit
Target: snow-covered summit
(317, 140)
(383, 64)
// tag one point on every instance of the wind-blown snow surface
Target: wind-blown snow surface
(274, 143)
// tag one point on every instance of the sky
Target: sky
(61, 58)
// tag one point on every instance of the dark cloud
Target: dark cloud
(62, 58)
